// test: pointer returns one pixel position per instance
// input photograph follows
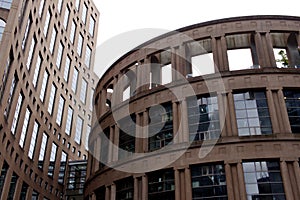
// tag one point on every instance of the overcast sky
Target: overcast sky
(119, 17)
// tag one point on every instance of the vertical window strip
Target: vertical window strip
(60, 110)
(28, 25)
(92, 26)
(88, 54)
(74, 80)
(69, 121)
(88, 131)
(24, 128)
(42, 2)
(59, 55)
(53, 39)
(83, 91)
(52, 160)
(33, 140)
(47, 21)
(59, 5)
(44, 86)
(84, 13)
(42, 150)
(78, 132)
(37, 70)
(16, 116)
(11, 93)
(51, 99)
(72, 32)
(67, 68)
(66, 17)
(79, 45)
(77, 4)
(62, 168)
(91, 99)
(30, 54)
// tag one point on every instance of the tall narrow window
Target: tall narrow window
(252, 113)
(72, 32)
(30, 53)
(83, 91)
(66, 17)
(84, 12)
(67, 68)
(92, 26)
(42, 150)
(292, 102)
(2, 28)
(203, 116)
(53, 39)
(44, 86)
(208, 182)
(51, 166)
(28, 25)
(33, 140)
(37, 70)
(47, 21)
(127, 136)
(91, 99)
(88, 55)
(51, 99)
(77, 3)
(87, 134)
(24, 128)
(24, 191)
(59, 55)
(3, 176)
(62, 168)
(161, 185)
(59, 5)
(11, 93)
(74, 80)
(78, 132)
(42, 2)
(16, 116)
(263, 180)
(161, 127)
(104, 151)
(60, 110)
(79, 45)
(69, 121)
(35, 195)
(12, 187)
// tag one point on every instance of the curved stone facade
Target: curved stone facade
(170, 126)
(39, 60)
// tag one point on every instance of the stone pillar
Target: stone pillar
(188, 183)
(241, 181)
(229, 182)
(231, 110)
(297, 176)
(113, 192)
(177, 185)
(272, 111)
(145, 130)
(219, 50)
(184, 121)
(286, 180)
(176, 121)
(283, 113)
(144, 187)
(115, 143)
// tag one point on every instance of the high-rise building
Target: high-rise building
(210, 111)
(47, 81)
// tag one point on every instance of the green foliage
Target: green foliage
(284, 59)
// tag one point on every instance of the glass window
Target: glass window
(263, 180)
(203, 118)
(105, 136)
(59, 54)
(35, 195)
(87, 134)
(166, 76)
(79, 45)
(161, 185)
(77, 3)
(59, 5)
(66, 17)
(11, 93)
(73, 30)
(62, 168)
(42, 150)
(292, 102)
(44, 86)
(252, 113)
(67, 68)
(84, 12)
(24, 191)
(52, 99)
(12, 187)
(125, 189)
(69, 121)
(83, 91)
(33, 140)
(47, 21)
(53, 39)
(30, 54)
(52, 160)
(3, 176)
(60, 110)
(161, 126)
(78, 133)
(42, 2)
(28, 25)
(208, 182)
(37, 70)
(88, 55)
(92, 26)
(16, 116)
(127, 136)
(6, 4)
(24, 128)
(74, 80)
(2, 27)
(91, 99)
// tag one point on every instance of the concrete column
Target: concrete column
(139, 134)
(231, 110)
(111, 144)
(297, 176)
(145, 187)
(107, 193)
(272, 111)
(177, 185)
(184, 121)
(115, 144)
(102, 101)
(219, 50)
(188, 183)
(136, 188)
(222, 112)
(177, 138)
(6, 184)
(18, 189)
(283, 112)
(241, 181)
(145, 130)
(286, 180)
(229, 182)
